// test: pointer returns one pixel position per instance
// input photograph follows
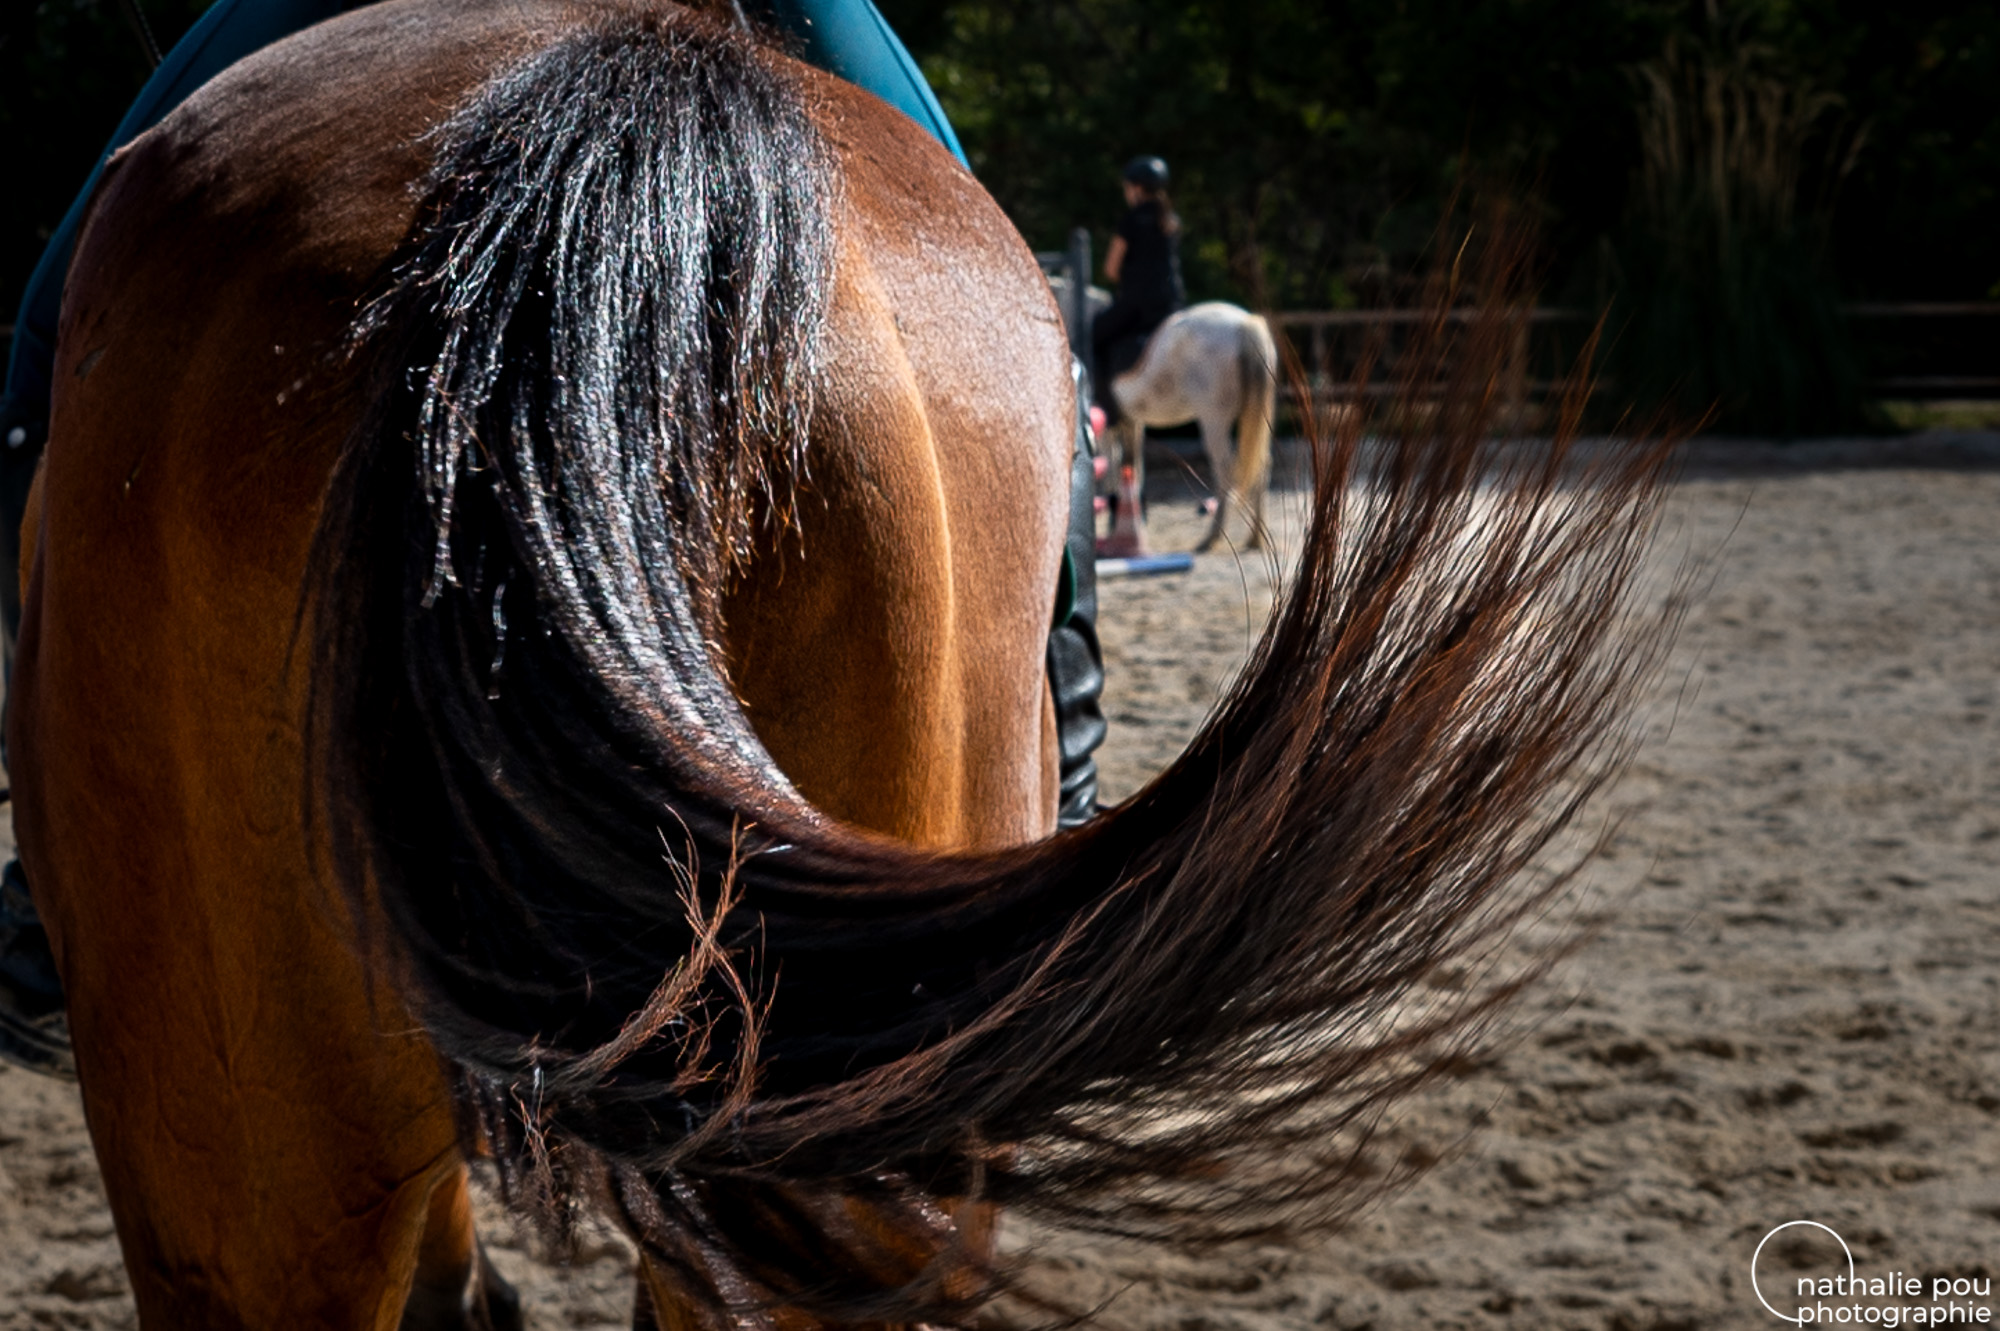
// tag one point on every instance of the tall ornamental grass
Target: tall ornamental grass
(1722, 298)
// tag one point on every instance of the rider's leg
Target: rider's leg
(1112, 336)
(1075, 662)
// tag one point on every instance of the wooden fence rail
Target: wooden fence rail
(1328, 348)
(1943, 349)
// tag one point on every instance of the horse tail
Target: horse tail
(1257, 372)
(669, 985)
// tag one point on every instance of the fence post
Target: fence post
(1079, 294)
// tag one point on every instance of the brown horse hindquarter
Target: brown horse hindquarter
(273, 1128)
(574, 717)
(926, 567)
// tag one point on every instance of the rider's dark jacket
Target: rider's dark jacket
(1150, 280)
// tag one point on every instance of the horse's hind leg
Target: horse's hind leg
(1221, 464)
(1256, 486)
(456, 1287)
(1125, 447)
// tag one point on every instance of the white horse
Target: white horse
(1213, 363)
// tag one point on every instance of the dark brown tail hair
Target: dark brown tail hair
(673, 987)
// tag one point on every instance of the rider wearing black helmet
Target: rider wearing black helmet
(1144, 262)
(1149, 173)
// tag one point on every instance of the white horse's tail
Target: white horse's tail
(1257, 358)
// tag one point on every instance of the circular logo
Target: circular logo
(1792, 1224)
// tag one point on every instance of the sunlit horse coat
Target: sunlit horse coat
(534, 646)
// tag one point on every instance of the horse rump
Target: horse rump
(675, 990)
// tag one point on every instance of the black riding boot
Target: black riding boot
(34, 1030)
(1076, 665)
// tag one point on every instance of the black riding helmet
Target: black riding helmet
(1147, 172)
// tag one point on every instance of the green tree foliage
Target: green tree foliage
(68, 68)
(1275, 167)
(1315, 146)
(1314, 142)
(1920, 217)
(1311, 138)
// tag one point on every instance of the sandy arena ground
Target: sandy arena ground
(1790, 1013)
